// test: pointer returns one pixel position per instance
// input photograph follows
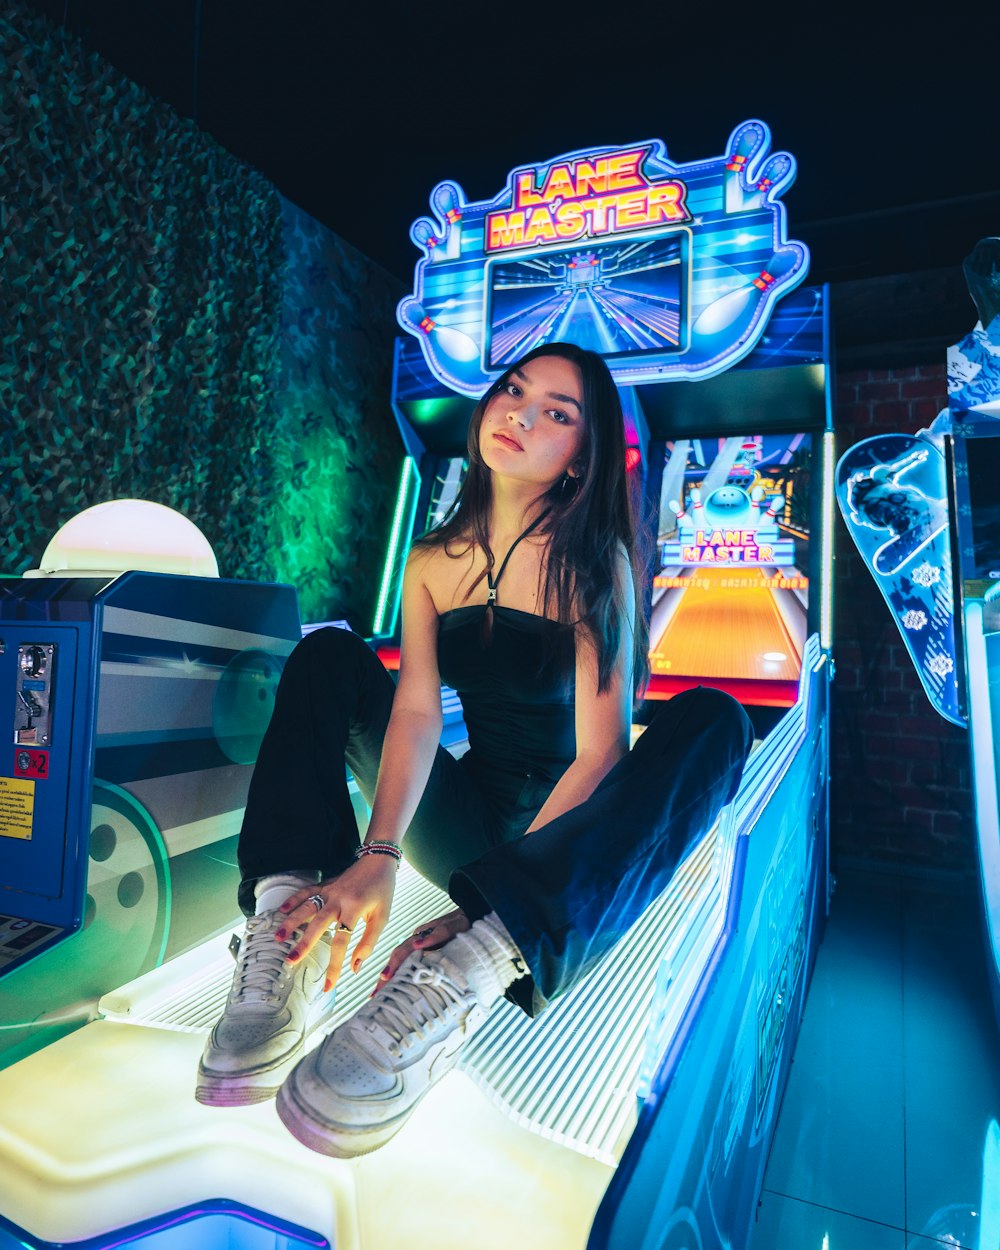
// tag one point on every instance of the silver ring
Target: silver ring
(343, 928)
(422, 933)
(317, 900)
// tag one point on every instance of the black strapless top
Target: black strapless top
(517, 690)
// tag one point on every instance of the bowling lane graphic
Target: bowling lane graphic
(726, 623)
(730, 601)
(611, 299)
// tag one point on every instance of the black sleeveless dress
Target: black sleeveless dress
(517, 690)
(515, 674)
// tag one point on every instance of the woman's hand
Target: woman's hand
(428, 937)
(362, 893)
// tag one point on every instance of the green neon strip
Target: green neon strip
(404, 551)
(378, 626)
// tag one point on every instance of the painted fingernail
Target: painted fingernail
(279, 935)
(292, 956)
(285, 907)
(327, 986)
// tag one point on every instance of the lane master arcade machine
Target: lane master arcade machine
(683, 278)
(638, 1110)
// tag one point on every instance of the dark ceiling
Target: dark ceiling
(356, 111)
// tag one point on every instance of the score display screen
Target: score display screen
(614, 298)
(984, 498)
(731, 586)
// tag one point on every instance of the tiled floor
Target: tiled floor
(889, 1135)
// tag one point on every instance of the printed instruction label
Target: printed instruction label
(17, 807)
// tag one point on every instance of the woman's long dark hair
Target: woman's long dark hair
(590, 519)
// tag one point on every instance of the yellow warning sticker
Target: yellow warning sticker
(17, 807)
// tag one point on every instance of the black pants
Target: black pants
(568, 891)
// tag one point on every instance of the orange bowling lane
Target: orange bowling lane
(719, 629)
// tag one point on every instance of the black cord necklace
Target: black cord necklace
(494, 582)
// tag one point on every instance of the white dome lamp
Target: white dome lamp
(126, 535)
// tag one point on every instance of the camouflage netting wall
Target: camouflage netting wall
(160, 340)
(337, 453)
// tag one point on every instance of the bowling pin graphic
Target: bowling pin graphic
(685, 525)
(441, 239)
(440, 340)
(697, 509)
(727, 321)
(744, 142)
(746, 186)
(756, 495)
(448, 201)
(424, 233)
(769, 521)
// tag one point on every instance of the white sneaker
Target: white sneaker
(272, 1007)
(359, 1086)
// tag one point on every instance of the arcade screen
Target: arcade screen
(621, 296)
(731, 586)
(984, 498)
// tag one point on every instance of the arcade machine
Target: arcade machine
(637, 1111)
(924, 511)
(675, 280)
(138, 700)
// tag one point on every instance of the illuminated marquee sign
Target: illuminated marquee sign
(668, 271)
(745, 547)
(728, 525)
(579, 199)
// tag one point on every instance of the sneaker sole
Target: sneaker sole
(242, 1089)
(340, 1141)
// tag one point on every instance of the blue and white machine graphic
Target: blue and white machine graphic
(669, 271)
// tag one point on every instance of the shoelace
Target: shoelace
(261, 968)
(408, 1005)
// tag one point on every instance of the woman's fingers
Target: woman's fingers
(310, 913)
(428, 937)
(431, 937)
(300, 909)
(398, 957)
(436, 932)
(339, 941)
(373, 931)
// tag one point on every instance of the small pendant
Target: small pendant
(492, 596)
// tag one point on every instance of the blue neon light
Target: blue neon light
(668, 271)
(201, 1226)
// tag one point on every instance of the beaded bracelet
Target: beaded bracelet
(379, 848)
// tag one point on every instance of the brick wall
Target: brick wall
(901, 785)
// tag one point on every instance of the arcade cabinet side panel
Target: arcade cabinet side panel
(189, 673)
(692, 1172)
(47, 682)
(173, 692)
(41, 682)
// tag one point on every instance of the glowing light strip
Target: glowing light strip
(768, 765)
(826, 544)
(989, 1206)
(188, 994)
(382, 609)
(984, 769)
(573, 1074)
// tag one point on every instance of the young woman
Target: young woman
(549, 834)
